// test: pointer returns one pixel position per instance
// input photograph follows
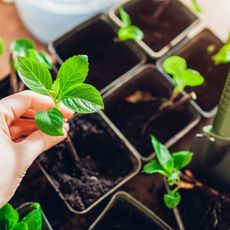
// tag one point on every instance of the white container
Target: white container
(49, 19)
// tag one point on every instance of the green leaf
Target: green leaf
(21, 226)
(34, 218)
(56, 88)
(130, 33)
(154, 167)
(83, 98)
(191, 78)
(73, 71)
(173, 178)
(125, 18)
(8, 217)
(34, 75)
(223, 55)
(196, 6)
(172, 199)
(174, 65)
(163, 155)
(1, 46)
(20, 47)
(182, 159)
(42, 57)
(50, 122)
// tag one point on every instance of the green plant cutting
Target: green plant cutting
(182, 76)
(25, 48)
(128, 31)
(223, 55)
(68, 88)
(10, 219)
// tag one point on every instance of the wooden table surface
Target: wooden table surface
(11, 27)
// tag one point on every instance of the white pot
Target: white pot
(49, 19)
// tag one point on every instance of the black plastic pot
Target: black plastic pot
(130, 118)
(161, 32)
(195, 52)
(109, 59)
(107, 161)
(124, 213)
(26, 208)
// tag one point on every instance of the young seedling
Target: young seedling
(9, 218)
(24, 48)
(68, 88)
(127, 30)
(223, 55)
(182, 76)
(170, 165)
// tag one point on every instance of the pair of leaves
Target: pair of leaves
(168, 165)
(9, 218)
(1, 46)
(172, 199)
(26, 48)
(127, 30)
(182, 76)
(68, 88)
(223, 55)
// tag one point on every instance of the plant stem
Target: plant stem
(13, 77)
(72, 148)
(165, 107)
(161, 9)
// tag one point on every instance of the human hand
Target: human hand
(20, 140)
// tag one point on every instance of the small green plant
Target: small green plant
(127, 30)
(182, 76)
(169, 165)
(223, 55)
(1, 46)
(196, 6)
(10, 219)
(24, 48)
(68, 88)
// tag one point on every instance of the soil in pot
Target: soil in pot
(161, 21)
(108, 59)
(123, 215)
(199, 210)
(198, 58)
(104, 162)
(132, 118)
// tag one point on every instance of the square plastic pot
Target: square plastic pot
(164, 23)
(131, 118)
(109, 59)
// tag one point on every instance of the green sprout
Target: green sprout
(196, 6)
(127, 30)
(169, 165)
(68, 88)
(182, 76)
(223, 55)
(10, 219)
(1, 46)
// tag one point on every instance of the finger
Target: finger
(29, 114)
(38, 142)
(16, 105)
(22, 128)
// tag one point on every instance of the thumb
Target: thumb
(38, 142)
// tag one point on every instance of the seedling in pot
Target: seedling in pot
(181, 75)
(68, 88)
(223, 55)
(24, 48)
(170, 165)
(127, 30)
(10, 219)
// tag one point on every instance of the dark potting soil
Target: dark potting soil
(5, 87)
(130, 119)
(124, 216)
(104, 162)
(201, 211)
(160, 31)
(198, 58)
(108, 59)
